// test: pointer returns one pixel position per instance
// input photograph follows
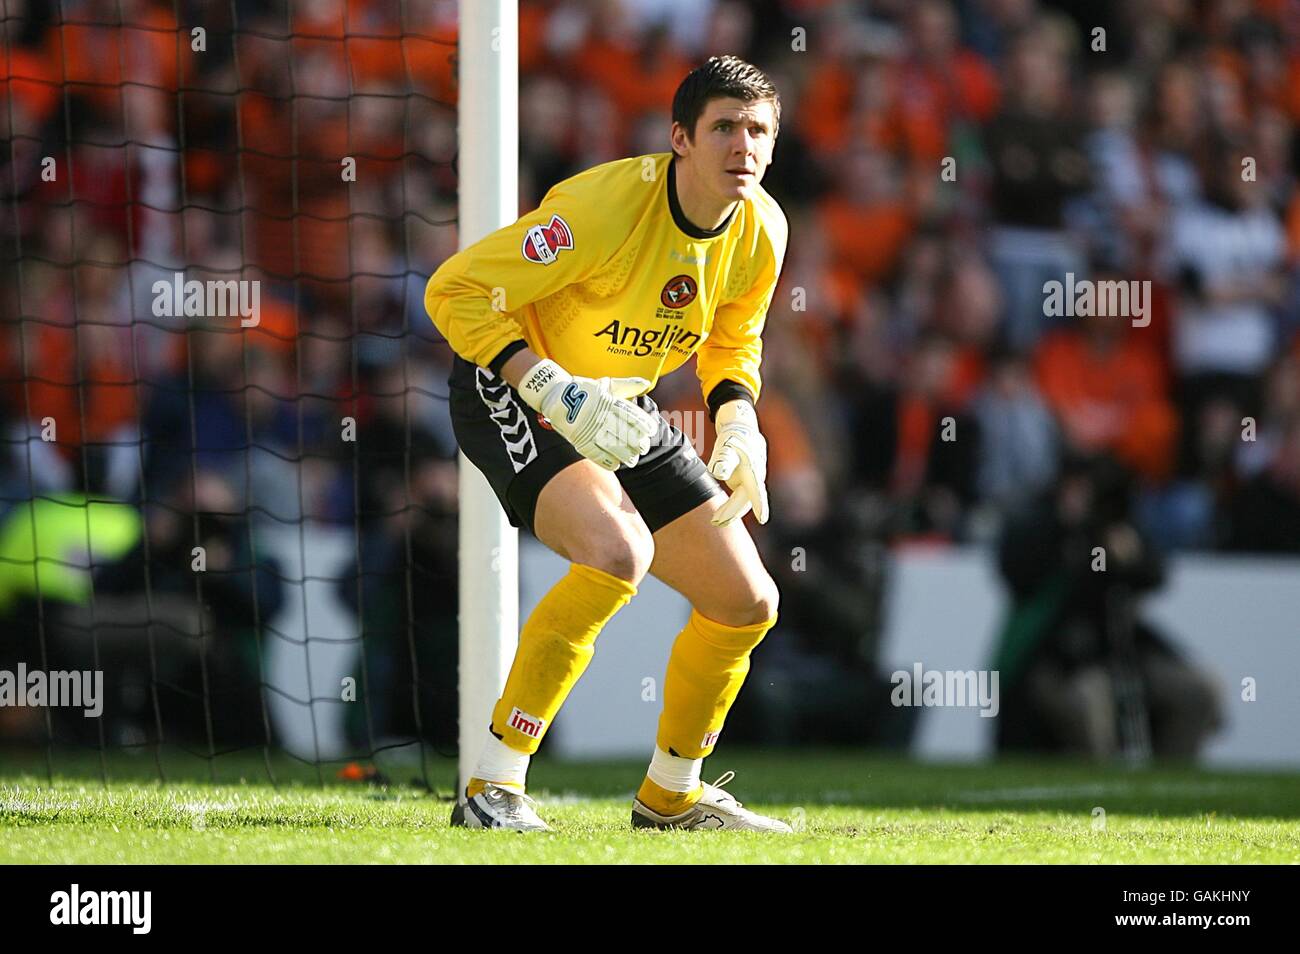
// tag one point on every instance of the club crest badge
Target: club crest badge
(679, 292)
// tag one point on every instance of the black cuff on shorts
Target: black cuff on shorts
(505, 354)
(725, 391)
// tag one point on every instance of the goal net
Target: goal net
(229, 484)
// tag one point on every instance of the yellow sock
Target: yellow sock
(555, 645)
(476, 786)
(707, 667)
(664, 802)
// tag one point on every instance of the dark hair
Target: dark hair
(722, 77)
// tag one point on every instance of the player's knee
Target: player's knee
(756, 603)
(766, 599)
(626, 551)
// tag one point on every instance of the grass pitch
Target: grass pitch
(846, 807)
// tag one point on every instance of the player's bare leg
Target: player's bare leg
(717, 569)
(734, 604)
(584, 515)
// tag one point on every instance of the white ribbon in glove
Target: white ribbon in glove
(592, 414)
(740, 460)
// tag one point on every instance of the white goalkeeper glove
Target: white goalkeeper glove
(592, 414)
(740, 460)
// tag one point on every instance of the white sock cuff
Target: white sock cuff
(674, 773)
(500, 763)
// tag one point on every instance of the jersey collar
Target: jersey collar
(679, 217)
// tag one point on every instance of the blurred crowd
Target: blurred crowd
(939, 161)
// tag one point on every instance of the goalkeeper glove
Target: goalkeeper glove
(740, 459)
(592, 414)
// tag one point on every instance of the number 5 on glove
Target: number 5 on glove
(595, 415)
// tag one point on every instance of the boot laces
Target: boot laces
(723, 780)
(516, 803)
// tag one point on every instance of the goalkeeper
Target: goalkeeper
(561, 323)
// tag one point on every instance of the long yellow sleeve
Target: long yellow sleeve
(476, 297)
(734, 348)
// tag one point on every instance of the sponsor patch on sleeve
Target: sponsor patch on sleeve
(543, 243)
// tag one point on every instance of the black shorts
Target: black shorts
(505, 439)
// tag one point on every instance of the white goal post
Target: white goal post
(488, 163)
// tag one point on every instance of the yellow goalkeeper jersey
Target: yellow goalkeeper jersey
(608, 277)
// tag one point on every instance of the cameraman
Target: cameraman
(1080, 671)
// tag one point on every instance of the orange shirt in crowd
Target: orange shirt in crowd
(378, 51)
(107, 398)
(34, 80)
(921, 106)
(638, 81)
(968, 371)
(916, 419)
(826, 102)
(933, 100)
(917, 416)
(96, 60)
(312, 244)
(788, 447)
(1112, 401)
(867, 239)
